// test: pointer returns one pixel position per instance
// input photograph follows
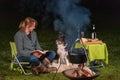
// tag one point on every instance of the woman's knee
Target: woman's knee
(53, 53)
(51, 56)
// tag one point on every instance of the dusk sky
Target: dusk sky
(10, 7)
(7, 5)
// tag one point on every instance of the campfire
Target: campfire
(82, 72)
(76, 74)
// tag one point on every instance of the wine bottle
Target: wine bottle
(93, 36)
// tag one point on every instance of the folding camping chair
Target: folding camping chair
(15, 61)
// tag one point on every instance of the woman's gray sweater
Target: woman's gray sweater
(24, 45)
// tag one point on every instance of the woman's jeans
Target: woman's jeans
(34, 61)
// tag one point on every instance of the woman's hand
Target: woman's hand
(44, 52)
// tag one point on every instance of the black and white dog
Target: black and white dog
(62, 52)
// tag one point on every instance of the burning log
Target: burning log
(83, 71)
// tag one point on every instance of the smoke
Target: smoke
(70, 18)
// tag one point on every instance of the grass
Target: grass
(47, 38)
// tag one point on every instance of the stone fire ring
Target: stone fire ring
(68, 74)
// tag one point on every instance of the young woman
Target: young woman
(29, 49)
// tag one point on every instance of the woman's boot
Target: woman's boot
(44, 69)
(46, 62)
(40, 68)
(35, 70)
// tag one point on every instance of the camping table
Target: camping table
(96, 51)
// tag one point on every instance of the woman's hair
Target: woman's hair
(27, 23)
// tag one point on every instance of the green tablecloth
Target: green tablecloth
(96, 51)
